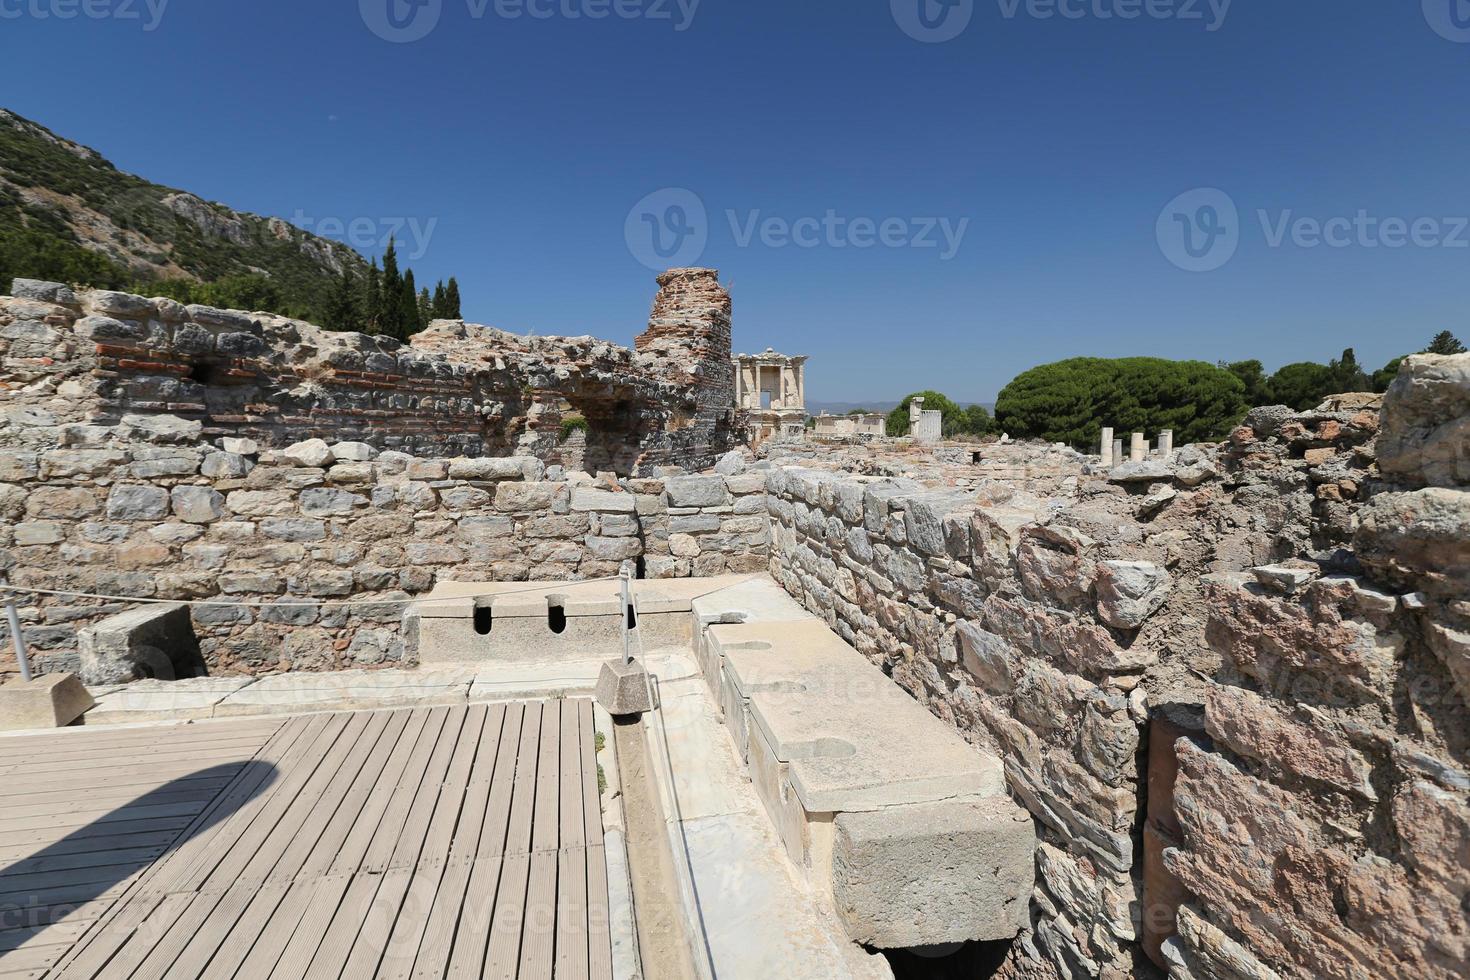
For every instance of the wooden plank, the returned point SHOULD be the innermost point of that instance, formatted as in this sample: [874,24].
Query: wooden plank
[571,914]
[265,950]
[599,916]
[262,846]
[105,800]
[503,959]
[467,960]
[58,934]
[343,811]
[72,845]
[242,934]
[103,815]
[599,926]
[430,856]
[342,932]
[434,848]
[135,944]
[538,926]
[297,955]
[545,826]
[49,862]
[114,927]
[416,822]
[381,790]
[277,814]
[502,786]
[377,926]
[189,945]
[503,956]
[67,791]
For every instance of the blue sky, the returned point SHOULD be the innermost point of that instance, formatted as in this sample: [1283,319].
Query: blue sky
[519,146]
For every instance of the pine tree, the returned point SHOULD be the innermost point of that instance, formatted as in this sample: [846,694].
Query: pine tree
[439,305]
[1445,342]
[451,301]
[372,300]
[342,312]
[426,308]
[396,313]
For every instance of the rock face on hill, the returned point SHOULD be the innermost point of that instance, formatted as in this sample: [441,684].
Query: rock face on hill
[63,206]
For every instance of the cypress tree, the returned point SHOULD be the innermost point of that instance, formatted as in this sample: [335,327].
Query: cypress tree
[409,298]
[439,305]
[396,313]
[451,301]
[426,308]
[372,300]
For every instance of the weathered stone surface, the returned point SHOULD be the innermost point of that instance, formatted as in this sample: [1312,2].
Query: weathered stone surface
[933,873]
[51,701]
[197,505]
[1425,439]
[1310,749]
[310,452]
[1418,540]
[1129,592]
[590,499]
[697,491]
[152,641]
[623,689]
[131,502]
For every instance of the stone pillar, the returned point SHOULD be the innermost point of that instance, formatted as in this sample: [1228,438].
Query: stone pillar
[916,413]
[1166,443]
[1117,452]
[1106,450]
[1139,451]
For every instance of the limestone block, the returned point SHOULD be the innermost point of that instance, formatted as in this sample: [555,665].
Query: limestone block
[137,503]
[44,292]
[731,464]
[592,499]
[156,640]
[326,501]
[52,701]
[226,465]
[934,873]
[622,689]
[354,452]
[697,491]
[1419,541]
[239,447]
[505,468]
[151,463]
[161,429]
[311,452]
[197,505]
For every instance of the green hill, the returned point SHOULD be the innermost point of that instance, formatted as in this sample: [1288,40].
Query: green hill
[66,214]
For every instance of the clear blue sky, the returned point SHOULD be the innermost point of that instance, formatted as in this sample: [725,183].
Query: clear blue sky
[1059,140]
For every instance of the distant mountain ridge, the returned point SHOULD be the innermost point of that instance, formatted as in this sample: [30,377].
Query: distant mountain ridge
[66,213]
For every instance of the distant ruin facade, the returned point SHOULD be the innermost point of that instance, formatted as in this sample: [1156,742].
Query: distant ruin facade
[864,425]
[770,394]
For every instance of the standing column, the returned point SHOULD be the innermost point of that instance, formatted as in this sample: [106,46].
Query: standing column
[1166,443]
[1117,452]
[1139,451]
[1106,450]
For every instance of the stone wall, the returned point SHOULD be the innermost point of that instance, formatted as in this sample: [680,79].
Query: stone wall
[1274,599]
[144,509]
[456,389]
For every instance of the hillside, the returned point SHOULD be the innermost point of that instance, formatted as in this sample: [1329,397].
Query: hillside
[67,214]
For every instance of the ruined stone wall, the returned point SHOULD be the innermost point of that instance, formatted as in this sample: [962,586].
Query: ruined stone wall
[455,389]
[1248,595]
[144,509]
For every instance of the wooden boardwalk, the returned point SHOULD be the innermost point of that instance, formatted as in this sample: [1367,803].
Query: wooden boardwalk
[433,842]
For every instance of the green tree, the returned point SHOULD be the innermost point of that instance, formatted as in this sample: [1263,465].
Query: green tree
[1445,342]
[451,301]
[956,421]
[426,308]
[1071,401]
[439,305]
[1384,376]
[410,303]
[341,312]
[1252,374]
[1346,374]
[394,318]
[372,300]
[1302,385]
